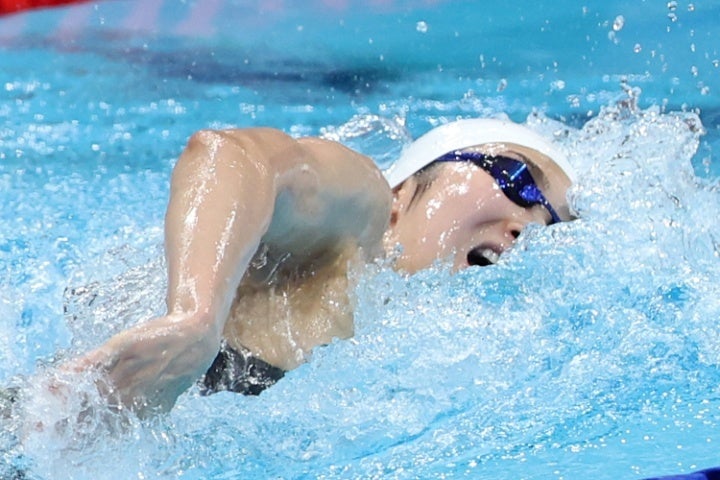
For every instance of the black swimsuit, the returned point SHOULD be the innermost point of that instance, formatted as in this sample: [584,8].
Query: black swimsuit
[240,372]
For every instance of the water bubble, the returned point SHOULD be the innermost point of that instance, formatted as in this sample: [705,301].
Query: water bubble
[691,7]
[637,48]
[421,27]
[619,23]
[672,5]
[672,17]
[502,84]
[694,71]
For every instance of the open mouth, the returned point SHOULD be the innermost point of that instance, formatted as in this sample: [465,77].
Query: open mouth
[482,256]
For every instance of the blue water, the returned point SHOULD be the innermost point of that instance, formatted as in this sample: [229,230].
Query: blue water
[590,350]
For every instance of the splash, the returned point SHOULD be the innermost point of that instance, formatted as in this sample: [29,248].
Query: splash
[591,339]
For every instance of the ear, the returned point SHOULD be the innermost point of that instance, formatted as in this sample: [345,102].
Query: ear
[400,200]
[394,209]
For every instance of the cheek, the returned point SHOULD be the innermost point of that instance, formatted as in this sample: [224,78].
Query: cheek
[442,223]
[427,235]
[450,238]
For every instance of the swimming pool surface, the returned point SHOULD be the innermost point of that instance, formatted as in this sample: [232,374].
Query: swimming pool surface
[591,350]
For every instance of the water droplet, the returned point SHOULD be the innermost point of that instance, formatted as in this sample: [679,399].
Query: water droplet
[672,17]
[619,23]
[557,85]
[672,5]
[691,7]
[637,48]
[705,90]
[694,71]
[421,27]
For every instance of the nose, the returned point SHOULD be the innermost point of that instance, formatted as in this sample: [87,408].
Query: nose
[512,229]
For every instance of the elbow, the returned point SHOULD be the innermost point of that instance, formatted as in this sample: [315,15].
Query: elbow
[222,155]
[200,152]
[232,147]
[206,140]
[244,138]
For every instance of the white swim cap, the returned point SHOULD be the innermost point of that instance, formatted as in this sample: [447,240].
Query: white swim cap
[468,133]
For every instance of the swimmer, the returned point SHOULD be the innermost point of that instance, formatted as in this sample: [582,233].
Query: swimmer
[262,231]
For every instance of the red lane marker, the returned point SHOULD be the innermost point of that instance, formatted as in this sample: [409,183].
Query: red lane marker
[14,6]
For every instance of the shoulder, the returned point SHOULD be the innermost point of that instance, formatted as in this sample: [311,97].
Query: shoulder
[325,158]
[325,192]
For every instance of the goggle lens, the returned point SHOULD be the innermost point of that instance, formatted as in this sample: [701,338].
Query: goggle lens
[511,175]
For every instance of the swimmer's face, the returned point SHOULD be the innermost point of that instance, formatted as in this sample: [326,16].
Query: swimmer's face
[463,215]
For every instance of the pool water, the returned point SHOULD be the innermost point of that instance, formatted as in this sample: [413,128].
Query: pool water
[590,350]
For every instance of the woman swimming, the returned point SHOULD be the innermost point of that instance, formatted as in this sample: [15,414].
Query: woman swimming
[262,230]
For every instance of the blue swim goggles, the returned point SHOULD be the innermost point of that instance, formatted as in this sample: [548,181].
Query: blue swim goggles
[512,176]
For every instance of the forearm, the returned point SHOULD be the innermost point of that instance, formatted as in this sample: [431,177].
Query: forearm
[147,367]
